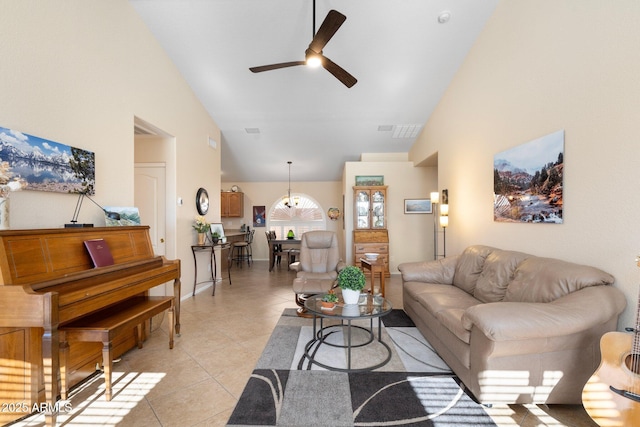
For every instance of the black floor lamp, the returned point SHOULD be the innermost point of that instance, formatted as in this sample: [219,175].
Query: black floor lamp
[444,223]
[440,209]
[435,198]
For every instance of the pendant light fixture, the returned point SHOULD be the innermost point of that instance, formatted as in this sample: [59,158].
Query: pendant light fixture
[286,200]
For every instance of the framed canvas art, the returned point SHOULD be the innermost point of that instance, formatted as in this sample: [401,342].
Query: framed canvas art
[46,165]
[369,180]
[417,206]
[528,181]
[259,218]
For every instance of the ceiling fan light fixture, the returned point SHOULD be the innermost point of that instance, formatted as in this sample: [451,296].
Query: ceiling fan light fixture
[314,62]
[313,59]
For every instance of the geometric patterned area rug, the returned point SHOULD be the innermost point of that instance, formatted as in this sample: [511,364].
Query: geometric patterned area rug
[415,388]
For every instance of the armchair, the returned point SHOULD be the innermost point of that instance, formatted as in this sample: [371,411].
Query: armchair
[317,270]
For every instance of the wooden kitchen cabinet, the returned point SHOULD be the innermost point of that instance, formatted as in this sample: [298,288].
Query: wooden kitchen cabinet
[231,204]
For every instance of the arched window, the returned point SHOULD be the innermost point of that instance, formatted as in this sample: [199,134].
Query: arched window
[307,215]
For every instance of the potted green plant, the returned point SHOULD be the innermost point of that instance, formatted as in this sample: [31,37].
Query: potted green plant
[351,280]
[329,300]
[215,236]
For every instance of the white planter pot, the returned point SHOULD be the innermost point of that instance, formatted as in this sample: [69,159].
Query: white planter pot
[350,296]
[351,310]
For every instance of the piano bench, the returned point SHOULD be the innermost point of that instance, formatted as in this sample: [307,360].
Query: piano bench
[103,326]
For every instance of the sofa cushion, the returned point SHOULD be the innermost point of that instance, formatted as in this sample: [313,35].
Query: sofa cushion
[444,302]
[545,279]
[440,271]
[469,267]
[451,319]
[497,273]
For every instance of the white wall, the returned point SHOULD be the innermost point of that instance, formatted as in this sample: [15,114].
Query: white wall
[540,66]
[78,72]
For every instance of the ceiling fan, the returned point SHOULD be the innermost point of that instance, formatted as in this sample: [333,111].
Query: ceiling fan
[313,55]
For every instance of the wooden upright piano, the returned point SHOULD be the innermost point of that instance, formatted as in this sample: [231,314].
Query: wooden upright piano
[47,279]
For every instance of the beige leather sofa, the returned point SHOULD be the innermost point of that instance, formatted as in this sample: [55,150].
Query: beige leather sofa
[515,328]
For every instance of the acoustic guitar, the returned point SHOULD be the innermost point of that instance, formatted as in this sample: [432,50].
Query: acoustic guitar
[611,397]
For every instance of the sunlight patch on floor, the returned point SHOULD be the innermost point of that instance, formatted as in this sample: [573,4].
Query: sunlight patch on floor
[89,406]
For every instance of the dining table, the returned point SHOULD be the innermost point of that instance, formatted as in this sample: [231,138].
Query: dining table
[286,244]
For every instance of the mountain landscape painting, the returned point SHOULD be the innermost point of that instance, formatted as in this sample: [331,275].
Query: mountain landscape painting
[527,181]
[43,165]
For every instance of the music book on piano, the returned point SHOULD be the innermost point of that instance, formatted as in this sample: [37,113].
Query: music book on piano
[99,252]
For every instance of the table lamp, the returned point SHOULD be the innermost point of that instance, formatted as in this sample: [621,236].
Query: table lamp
[76,212]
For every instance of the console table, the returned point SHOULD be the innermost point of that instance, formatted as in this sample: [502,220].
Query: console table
[211,250]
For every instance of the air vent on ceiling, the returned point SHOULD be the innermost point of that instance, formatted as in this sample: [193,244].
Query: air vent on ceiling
[252,130]
[406,131]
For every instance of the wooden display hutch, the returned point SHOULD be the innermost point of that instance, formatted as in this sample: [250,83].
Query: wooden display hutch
[231,204]
[370,224]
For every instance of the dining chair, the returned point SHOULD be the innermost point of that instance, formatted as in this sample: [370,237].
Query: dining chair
[278,252]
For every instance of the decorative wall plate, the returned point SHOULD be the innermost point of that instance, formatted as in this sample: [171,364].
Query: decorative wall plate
[334,213]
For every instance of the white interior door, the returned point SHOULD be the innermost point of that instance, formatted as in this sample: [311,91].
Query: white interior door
[150,198]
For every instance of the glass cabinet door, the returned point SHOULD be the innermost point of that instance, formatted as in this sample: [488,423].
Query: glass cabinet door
[378,219]
[363,206]
[370,209]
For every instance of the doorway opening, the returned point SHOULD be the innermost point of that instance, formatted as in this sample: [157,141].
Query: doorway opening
[154,181]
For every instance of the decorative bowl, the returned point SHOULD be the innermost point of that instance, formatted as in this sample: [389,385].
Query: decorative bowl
[371,256]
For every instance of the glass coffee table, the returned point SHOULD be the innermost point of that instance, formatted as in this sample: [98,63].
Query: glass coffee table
[369,308]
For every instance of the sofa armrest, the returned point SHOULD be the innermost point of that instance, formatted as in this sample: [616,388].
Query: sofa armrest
[438,271]
[573,313]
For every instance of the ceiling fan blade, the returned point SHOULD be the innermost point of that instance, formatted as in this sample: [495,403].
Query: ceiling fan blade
[329,26]
[275,66]
[339,73]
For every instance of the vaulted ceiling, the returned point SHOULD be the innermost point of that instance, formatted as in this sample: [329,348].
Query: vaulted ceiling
[403,53]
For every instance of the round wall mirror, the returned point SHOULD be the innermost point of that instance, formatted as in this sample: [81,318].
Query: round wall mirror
[202,201]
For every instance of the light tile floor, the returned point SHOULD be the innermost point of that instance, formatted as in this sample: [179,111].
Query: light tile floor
[222,336]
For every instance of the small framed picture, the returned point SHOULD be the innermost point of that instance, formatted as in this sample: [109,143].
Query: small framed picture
[417,206]
[259,218]
[217,227]
[369,180]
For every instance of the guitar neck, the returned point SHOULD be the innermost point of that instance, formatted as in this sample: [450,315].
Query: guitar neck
[635,349]
[636,332]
